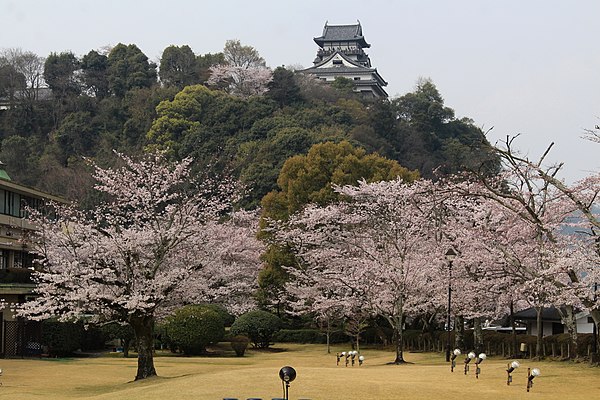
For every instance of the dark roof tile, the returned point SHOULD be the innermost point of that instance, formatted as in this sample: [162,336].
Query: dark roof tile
[342,33]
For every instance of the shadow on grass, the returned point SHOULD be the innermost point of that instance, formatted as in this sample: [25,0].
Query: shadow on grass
[401,363]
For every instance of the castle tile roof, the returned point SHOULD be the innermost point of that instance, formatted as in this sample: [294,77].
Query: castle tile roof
[342,33]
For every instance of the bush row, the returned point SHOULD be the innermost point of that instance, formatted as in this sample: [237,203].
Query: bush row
[61,339]
[314,336]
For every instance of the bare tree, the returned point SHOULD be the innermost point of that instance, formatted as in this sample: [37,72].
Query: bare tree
[30,65]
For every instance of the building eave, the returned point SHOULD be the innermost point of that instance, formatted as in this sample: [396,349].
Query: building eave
[28,191]
[342,55]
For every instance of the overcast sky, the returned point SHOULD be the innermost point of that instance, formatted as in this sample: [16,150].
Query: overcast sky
[520,66]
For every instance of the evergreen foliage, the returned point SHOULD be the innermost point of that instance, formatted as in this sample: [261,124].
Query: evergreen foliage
[112,99]
[61,338]
[194,327]
[258,325]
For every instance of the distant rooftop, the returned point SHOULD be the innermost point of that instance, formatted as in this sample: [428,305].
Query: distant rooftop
[342,33]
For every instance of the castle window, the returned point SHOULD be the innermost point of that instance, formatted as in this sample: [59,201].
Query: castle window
[337,62]
[357,78]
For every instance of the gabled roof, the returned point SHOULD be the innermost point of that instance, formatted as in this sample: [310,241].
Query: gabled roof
[342,33]
[348,67]
[348,63]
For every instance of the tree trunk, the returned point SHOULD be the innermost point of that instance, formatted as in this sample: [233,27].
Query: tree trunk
[595,313]
[399,328]
[459,332]
[515,349]
[126,343]
[397,324]
[143,326]
[327,323]
[477,335]
[567,315]
[398,342]
[540,331]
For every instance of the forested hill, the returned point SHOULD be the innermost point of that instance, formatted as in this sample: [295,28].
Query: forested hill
[58,110]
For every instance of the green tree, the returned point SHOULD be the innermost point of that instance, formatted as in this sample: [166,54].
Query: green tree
[258,325]
[203,64]
[59,74]
[283,88]
[196,122]
[76,135]
[20,156]
[424,108]
[428,137]
[122,332]
[178,67]
[94,67]
[308,179]
[11,81]
[129,68]
[139,106]
[194,327]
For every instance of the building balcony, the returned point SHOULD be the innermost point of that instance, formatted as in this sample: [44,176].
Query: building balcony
[327,52]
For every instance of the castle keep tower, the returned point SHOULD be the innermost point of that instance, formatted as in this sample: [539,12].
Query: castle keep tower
[341,54]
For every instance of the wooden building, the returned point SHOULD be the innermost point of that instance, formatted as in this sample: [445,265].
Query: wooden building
[341,54]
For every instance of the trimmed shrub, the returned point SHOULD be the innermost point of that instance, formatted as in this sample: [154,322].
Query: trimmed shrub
[222,311]
[258,325]
[300,336]
[61,338]
[239,344]
[194,327]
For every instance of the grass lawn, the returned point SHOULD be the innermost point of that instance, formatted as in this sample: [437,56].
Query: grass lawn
[426,376]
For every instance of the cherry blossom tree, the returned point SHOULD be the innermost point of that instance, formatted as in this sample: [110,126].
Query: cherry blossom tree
[329,297]
[464,225]
[532,192]
[376,247]
[244,72]
[241,81]
[157,241]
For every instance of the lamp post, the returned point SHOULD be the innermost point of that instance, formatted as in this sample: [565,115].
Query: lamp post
[479,360]
[531,374]
[455,354]
[468,359]
[287,374]
[511,367]
[450,255]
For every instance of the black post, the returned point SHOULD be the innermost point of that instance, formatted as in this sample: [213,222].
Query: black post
[594,330]
[449,308]
[595,338]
